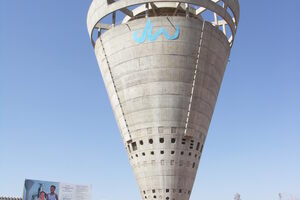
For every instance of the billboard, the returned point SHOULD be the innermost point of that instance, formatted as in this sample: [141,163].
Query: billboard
[47,190]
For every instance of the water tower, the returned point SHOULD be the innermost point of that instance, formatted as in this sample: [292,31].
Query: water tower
[162,62]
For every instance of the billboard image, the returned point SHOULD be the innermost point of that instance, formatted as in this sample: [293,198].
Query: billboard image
[47,190]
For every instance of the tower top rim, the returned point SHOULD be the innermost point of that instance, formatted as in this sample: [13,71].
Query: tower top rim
[226,13]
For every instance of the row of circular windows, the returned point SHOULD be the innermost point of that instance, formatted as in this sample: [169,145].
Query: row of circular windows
[180,191]
[133,146]
[164,162]
[163,152]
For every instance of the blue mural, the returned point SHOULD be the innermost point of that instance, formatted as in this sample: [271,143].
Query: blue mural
[147,32]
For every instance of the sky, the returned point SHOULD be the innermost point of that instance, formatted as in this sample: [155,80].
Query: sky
[56,122]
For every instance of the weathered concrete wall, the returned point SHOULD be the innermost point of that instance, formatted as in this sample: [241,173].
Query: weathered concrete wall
[150,87]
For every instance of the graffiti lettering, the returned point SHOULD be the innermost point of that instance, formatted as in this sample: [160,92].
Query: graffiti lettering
[147,32]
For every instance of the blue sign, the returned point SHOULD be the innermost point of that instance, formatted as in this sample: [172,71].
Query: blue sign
[147,32]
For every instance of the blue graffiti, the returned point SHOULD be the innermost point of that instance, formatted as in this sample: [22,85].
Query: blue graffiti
[148,32]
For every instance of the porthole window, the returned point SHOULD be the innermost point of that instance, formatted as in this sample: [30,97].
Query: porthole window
[153,191]
[151,141]
[154,196]
[173,140]
[167,190]
[136,155]
[162,152]
[161,140]
[143,154]
[180,190]
[167,198]
[190,153]
[182,153]
[141,142]
[152,152]
[144,192]
[172,152]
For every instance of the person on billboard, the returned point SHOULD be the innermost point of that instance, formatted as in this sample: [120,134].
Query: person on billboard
[42,195]
[52,195]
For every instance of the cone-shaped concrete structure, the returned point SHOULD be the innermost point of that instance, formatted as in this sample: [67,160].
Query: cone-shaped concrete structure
[163,65]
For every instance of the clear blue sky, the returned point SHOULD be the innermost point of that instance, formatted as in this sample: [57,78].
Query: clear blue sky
[56,122]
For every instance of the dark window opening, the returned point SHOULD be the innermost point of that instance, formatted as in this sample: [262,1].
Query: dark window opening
[192,144]
[141,142]
[201,148]
[198,146]
[134,146]
[161,140]
[151,141]
[173,140]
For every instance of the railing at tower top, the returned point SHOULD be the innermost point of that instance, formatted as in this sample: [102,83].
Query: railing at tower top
[105,14]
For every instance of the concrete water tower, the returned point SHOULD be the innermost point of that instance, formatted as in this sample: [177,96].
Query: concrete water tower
[162,62]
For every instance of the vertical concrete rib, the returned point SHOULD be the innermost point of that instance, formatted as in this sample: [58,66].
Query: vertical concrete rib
[126,134]
[194,81]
